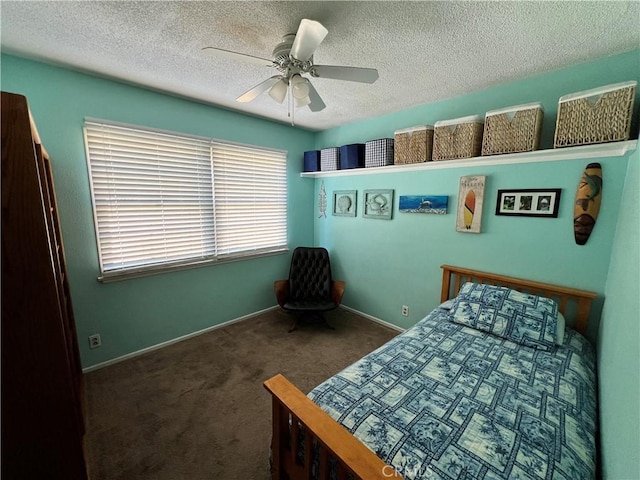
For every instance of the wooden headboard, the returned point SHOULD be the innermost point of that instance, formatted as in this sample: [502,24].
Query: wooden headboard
[577,301]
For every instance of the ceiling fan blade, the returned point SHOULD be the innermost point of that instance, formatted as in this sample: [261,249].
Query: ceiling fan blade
[258,89]
[316,102]
[239,56]
[309,36]
[351,74]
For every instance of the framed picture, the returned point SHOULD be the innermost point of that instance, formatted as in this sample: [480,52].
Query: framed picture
[344,203]
[429,204]
[470,200]
[377,204]
[534,202]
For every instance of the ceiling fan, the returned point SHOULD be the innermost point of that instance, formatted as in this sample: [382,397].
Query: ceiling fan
[293,58]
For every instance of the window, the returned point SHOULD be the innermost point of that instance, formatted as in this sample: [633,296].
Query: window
[163,200]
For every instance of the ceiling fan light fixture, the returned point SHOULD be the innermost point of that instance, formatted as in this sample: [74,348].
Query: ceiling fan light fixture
[303,102]
[299,88]
[279,90]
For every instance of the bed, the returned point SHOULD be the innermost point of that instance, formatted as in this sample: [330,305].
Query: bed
[489,385]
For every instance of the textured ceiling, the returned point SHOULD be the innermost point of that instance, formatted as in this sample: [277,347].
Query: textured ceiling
[424,51]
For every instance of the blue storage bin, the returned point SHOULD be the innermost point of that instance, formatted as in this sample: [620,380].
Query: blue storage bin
[312,161]
[352,156]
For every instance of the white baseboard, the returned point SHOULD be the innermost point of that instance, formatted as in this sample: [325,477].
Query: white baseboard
[174,340]
[158,346]
[374,319]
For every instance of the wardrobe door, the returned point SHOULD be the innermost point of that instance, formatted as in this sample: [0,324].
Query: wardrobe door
[42,422]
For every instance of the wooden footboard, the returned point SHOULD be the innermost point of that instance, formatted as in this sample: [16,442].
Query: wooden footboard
[292,411]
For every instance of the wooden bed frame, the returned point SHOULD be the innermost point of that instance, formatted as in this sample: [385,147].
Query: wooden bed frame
[292,409]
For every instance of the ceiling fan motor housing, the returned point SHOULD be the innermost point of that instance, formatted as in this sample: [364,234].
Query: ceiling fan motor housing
[284,62]
[281,51]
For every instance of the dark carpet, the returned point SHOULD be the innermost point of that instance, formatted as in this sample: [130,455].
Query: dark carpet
[197,409]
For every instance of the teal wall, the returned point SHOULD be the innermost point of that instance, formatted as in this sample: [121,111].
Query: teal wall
[134,314]
[387,264]
[619,341]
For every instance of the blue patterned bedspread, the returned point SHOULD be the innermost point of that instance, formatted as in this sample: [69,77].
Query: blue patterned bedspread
[444,401]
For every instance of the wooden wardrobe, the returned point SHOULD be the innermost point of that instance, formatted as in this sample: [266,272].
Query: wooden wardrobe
[42,412]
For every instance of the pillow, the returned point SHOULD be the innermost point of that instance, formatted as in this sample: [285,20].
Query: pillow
[520,317]
[446,305]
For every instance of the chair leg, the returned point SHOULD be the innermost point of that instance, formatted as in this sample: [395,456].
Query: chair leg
[323,319]
[293,325]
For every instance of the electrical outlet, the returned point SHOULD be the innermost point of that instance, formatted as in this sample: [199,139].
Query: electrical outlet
[94,341]
[405,311]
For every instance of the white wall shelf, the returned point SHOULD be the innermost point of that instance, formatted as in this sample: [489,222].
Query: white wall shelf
[601,150]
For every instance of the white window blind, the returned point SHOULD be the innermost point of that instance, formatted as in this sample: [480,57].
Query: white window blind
[250,198]
[154,202]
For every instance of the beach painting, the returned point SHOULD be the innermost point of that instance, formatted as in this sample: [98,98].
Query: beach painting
[430,204]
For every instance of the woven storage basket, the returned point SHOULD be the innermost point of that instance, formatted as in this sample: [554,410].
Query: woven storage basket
[512,129]
[329,159]
[378,153]
[413,145]
[595,116]
[457,138]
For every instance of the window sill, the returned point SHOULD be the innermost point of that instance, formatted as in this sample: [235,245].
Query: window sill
[160,269]
[600,150]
